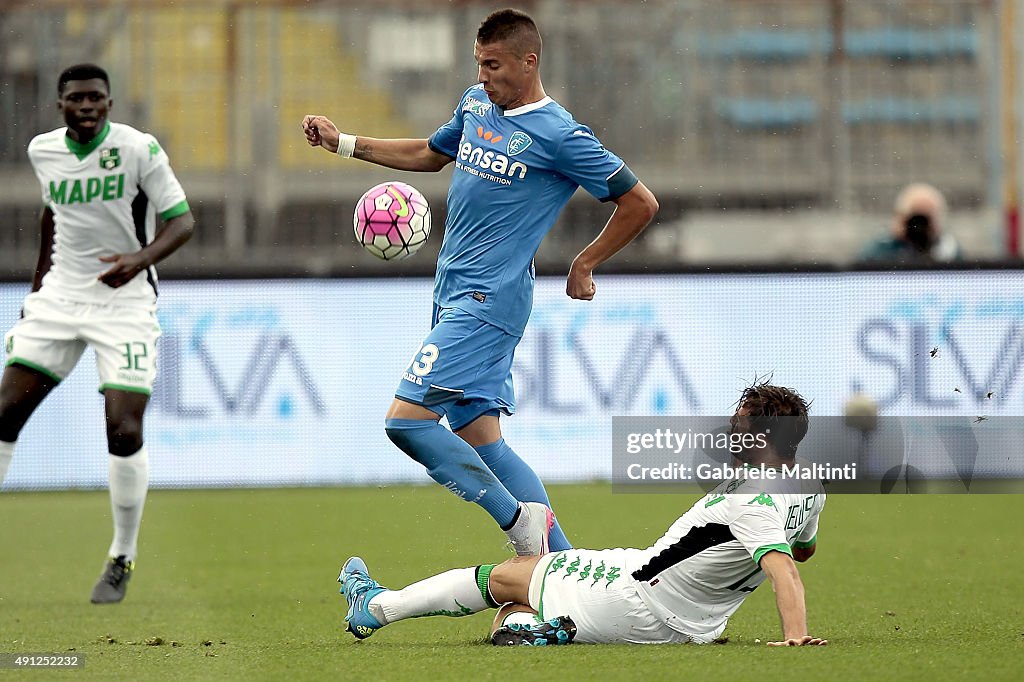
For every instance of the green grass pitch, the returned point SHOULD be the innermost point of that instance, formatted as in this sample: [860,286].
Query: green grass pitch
[241,584]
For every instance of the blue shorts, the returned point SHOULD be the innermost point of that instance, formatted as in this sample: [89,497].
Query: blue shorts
[463,369]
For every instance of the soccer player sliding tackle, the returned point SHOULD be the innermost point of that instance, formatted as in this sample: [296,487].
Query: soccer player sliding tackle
[683,588]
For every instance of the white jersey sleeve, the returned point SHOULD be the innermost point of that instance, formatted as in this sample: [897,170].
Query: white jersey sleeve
[809,535]
[158,181]
[756,522]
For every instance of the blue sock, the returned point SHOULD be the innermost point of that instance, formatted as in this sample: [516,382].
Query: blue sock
[454,464]
[521,481]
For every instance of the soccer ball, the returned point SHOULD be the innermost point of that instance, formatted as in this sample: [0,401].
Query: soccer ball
[392,220]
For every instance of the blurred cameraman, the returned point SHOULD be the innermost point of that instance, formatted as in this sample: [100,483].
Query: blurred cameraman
[917,234]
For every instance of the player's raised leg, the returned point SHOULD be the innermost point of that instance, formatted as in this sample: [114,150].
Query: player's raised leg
[41,350]
[22,389]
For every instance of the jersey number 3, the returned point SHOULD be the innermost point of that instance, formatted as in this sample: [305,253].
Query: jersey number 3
[424,362]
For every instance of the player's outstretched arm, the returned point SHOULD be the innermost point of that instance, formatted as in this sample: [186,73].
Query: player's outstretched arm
[400,154]
[45,247]
[168,239]
[633,211]
[789,597]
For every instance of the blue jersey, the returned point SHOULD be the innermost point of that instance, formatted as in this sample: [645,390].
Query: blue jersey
[515,170]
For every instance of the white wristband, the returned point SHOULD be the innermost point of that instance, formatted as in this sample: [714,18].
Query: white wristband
[346,145]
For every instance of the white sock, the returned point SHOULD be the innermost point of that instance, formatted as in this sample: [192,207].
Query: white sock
[520,530]
[129,480]
[521,617]
[6,452]
[452,593]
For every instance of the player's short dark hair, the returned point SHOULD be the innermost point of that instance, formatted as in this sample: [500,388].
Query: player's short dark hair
[81,72]
[511,26]
[777,412]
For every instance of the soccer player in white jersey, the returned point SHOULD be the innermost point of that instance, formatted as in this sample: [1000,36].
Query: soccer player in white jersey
[683,588]
[105,188]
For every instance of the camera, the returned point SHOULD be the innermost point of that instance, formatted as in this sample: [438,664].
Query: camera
[919,232]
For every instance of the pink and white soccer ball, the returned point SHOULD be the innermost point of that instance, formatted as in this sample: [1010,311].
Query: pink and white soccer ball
[392,220]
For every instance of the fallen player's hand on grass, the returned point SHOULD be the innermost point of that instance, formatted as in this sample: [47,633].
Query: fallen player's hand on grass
[806,640]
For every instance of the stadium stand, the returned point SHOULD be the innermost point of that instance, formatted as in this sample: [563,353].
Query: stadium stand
[716,110]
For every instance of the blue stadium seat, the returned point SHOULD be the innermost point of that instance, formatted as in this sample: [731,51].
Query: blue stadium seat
[760,114]
[889,42]
[904,110]
[913,44]
[766,45]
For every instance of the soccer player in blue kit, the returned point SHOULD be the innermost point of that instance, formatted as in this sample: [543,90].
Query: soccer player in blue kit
[519,157]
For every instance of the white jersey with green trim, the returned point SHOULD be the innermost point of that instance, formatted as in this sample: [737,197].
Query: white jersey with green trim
[105,197]
[707,563]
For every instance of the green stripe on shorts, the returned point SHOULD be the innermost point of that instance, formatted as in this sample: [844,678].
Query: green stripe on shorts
[129,389]
[32,365]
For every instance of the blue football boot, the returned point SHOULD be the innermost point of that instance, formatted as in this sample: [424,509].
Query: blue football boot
[359,588]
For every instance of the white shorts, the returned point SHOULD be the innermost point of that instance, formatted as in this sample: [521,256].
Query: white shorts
[597,590]
[52,335]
